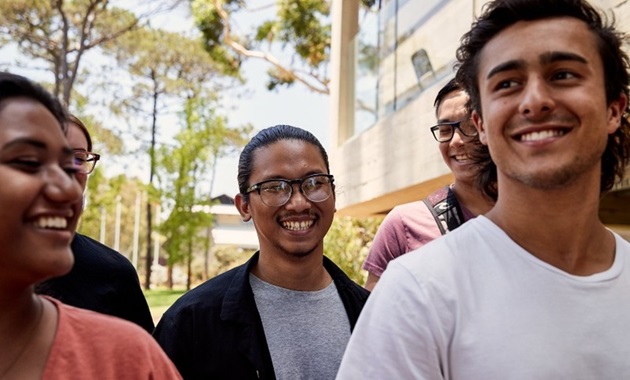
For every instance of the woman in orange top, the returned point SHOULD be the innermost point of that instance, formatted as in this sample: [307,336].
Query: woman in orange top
[40,199]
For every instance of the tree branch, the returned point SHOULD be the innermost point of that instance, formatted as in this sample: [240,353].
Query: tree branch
[321,85]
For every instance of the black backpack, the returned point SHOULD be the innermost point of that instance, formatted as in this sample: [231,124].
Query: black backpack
[445,209]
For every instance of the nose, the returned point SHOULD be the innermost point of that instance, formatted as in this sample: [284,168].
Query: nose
[537,99]
[298,201]
[61,187]
[458,138]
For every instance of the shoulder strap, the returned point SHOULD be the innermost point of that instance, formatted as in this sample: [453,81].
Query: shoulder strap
[445,209]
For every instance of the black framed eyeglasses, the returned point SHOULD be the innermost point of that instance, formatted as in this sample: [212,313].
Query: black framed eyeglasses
[444,132]
[85,161]
[277,192]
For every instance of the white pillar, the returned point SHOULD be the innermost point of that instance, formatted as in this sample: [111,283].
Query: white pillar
[345,25]
[136,231]
[103,224]
[156,237]
[117,224]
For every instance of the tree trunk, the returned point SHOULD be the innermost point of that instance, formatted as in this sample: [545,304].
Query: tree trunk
[169,276]
[149,259]
[147,280]
[190,256]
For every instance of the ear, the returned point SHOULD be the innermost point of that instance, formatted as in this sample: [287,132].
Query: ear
[616,109]
[476,118]
[243,207]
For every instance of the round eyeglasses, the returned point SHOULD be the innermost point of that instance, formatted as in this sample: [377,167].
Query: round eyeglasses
[85,161]
[277,192]
[444,132]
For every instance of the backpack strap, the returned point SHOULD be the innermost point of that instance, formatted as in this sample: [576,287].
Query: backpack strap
[445,209]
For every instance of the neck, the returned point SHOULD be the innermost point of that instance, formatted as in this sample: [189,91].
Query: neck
[559,226]
[18,329]
[296,273]
[471,198]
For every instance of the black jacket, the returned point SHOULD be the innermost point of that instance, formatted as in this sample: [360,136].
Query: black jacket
[214,331]
[101,280]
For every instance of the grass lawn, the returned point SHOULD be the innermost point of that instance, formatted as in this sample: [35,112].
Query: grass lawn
[161,299]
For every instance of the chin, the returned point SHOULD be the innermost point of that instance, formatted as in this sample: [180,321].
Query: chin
[62,265]
[300,251]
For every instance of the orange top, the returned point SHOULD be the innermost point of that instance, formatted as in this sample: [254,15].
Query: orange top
[90,345]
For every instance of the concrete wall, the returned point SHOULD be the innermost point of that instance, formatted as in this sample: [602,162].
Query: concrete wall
[397,160]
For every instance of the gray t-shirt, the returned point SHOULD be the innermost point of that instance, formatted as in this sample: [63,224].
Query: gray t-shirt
[307,331]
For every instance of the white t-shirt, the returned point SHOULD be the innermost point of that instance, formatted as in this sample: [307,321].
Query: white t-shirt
[475,305]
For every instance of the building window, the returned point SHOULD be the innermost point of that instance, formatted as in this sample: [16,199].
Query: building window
[393,62]
[422,66]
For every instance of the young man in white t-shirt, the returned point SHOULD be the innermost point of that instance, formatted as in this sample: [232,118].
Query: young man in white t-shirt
[537,288]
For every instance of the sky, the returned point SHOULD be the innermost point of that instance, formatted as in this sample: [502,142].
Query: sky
[261,108]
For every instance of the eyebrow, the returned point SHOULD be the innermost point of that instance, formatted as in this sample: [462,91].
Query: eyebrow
[25,141]
[545,59]
[506,66]
[66,150]
[282,178]
[556,56]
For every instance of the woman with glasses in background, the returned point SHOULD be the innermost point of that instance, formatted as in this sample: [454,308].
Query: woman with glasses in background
[101,279]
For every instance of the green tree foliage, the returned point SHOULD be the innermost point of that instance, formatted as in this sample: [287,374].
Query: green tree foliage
[228,257]
[182,170]
[183,165]
[59,33]
[56,35]
[104,141]
[348,242]
[101,199]
[300,27]
[166,67]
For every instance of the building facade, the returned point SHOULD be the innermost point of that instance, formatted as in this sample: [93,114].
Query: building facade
[387,65]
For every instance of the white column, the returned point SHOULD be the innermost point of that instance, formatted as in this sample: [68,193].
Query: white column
[117,224]
[103,224]
[156,237]
[345,25]
[136,231]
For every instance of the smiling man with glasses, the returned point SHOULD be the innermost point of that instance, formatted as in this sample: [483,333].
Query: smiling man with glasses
[445,131]
[412,225]
[288,312]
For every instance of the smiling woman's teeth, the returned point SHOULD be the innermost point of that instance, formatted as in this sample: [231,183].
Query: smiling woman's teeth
[297,226]
[535,136]
[51,222]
